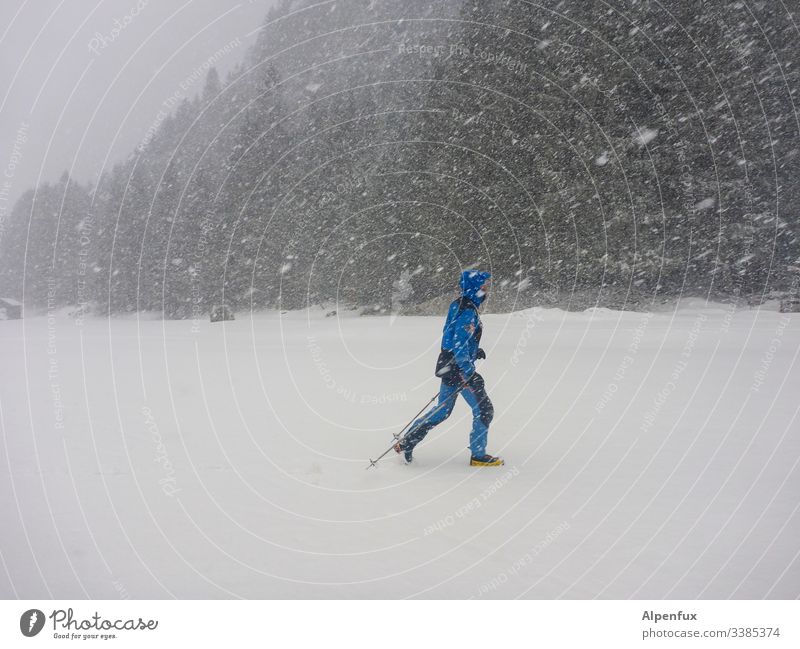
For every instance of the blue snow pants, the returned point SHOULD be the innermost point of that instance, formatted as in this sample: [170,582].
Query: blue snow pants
[474,394]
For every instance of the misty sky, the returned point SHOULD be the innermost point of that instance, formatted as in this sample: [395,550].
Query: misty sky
[82,81]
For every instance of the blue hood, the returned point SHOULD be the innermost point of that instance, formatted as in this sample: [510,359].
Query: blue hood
[471,282]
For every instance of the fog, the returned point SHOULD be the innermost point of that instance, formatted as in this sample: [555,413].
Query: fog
[82,82]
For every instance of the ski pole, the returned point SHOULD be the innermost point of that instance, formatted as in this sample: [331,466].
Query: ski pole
[425,407]
[397,436]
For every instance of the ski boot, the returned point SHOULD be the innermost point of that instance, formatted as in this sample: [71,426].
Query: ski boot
[486,460]
[399,448]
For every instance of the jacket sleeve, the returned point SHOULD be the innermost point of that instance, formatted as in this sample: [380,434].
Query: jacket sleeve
[464,328]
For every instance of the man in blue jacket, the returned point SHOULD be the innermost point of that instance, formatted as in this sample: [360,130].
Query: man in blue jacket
[456,367]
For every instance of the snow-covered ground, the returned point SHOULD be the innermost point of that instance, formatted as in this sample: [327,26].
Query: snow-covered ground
[647,456]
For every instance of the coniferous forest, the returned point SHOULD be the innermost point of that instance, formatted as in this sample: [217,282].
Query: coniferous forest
[614,153]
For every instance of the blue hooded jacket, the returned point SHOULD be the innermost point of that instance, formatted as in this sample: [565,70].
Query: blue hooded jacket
[462,329]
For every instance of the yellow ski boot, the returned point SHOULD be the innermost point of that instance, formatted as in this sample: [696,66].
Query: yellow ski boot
[486,460]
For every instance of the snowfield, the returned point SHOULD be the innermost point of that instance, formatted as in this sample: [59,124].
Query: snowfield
[647,456]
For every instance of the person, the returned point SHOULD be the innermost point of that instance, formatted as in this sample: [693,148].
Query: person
[456,367]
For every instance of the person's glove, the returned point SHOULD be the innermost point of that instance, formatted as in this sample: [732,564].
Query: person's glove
[480,354]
